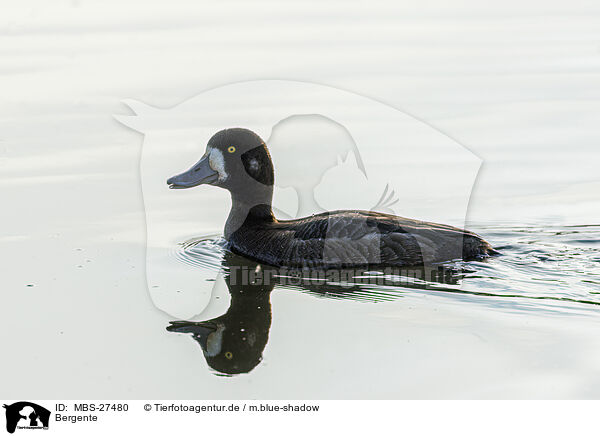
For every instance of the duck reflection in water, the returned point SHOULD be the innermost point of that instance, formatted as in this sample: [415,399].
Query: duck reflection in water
[233,343]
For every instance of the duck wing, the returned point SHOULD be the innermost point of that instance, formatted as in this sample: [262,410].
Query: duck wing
[344,239]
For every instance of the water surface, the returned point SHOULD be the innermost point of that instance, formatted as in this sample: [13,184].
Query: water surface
[550,270]
[516,83]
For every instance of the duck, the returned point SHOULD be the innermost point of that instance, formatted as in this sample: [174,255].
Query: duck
[237,159]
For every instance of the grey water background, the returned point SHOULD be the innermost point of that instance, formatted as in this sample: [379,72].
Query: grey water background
[516,83]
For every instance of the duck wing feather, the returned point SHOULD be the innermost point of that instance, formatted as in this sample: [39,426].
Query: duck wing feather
[343,239]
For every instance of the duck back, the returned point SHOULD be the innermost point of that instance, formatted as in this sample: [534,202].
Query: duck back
[347,239]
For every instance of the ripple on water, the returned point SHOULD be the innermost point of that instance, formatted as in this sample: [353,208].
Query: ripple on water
[204,252]
[541,262]
[559,263]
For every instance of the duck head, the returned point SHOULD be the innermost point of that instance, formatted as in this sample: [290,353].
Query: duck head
[235,159]
[231,344]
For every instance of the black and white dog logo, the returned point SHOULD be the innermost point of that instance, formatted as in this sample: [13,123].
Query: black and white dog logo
[26,415]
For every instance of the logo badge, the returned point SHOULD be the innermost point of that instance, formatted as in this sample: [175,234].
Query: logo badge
[26,415]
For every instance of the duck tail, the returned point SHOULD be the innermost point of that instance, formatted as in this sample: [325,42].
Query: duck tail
[493,252]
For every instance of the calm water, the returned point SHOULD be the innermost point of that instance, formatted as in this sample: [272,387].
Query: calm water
[539,270]
[517,84]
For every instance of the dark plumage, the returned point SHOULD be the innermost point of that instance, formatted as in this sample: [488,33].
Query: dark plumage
[233,343]
[238,160]
[343,239]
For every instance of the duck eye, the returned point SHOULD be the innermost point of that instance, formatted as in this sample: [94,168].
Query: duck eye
[231,149]
[229,355]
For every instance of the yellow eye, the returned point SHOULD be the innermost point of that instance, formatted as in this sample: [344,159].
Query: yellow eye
[228,354]
[231,149]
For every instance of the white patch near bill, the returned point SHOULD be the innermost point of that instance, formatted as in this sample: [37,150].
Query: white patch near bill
[214,342]
[217,163]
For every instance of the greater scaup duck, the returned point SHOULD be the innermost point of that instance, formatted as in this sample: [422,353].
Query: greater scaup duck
[238,160]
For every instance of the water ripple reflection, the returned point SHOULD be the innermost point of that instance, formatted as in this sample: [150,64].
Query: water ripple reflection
[542,270]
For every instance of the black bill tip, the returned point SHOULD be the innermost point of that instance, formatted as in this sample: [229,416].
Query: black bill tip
[200,174]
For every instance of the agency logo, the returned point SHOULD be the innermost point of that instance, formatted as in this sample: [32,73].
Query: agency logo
[328,150]
[26,415]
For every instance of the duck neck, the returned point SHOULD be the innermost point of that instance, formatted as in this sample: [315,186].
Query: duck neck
[246,209]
